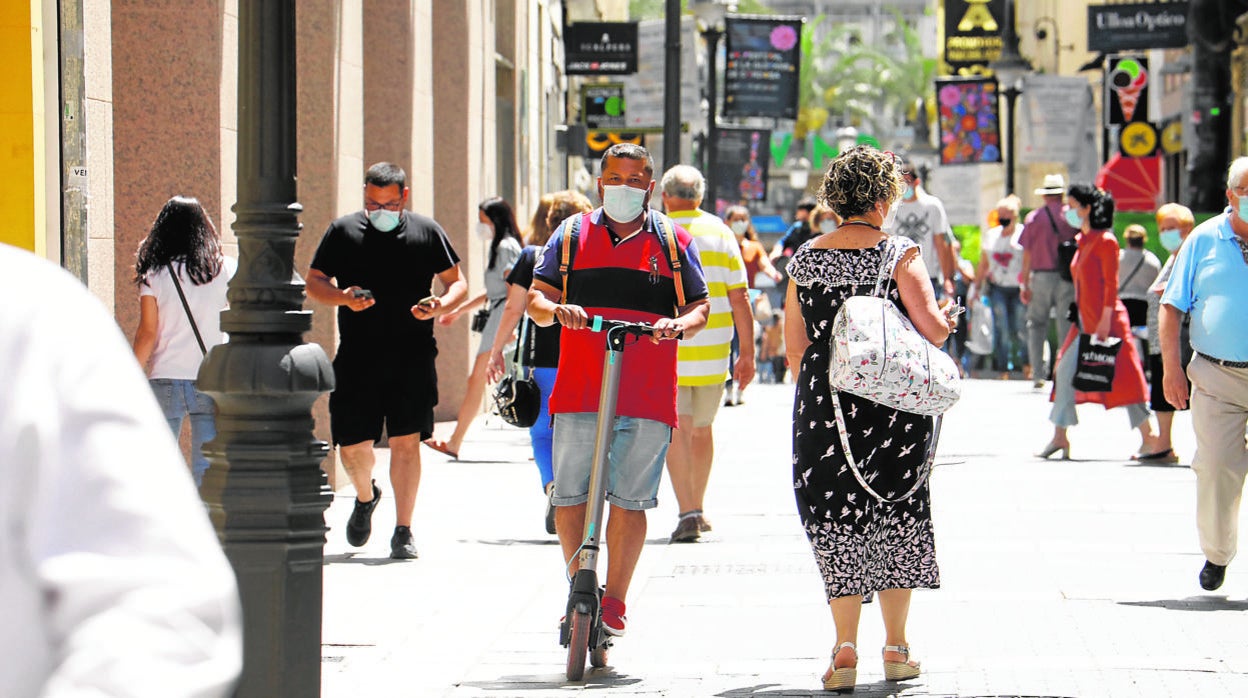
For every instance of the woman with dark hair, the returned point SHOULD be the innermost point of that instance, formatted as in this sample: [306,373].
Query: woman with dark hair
[863,544]
[497,225]
[1100,313]
[181,257]
[752,251]
[544,343]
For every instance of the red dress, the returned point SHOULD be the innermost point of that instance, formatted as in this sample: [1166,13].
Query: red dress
[751,253]
[1095,271]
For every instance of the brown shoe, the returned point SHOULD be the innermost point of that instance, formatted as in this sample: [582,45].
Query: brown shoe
[686,531]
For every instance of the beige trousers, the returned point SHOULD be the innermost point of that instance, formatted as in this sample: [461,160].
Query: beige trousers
[1219,417]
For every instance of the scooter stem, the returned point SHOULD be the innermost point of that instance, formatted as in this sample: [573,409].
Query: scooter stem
[611,368]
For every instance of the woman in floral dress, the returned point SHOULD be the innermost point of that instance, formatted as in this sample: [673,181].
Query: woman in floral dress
[862,545]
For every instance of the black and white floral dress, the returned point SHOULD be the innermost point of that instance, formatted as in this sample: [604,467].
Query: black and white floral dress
[860,544]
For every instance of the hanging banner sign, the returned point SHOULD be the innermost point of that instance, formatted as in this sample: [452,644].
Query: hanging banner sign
[1126,89]
[600,48]
[741,164]
[970,131]
[1137,26]
[763,67]
[972,36]
[602,107]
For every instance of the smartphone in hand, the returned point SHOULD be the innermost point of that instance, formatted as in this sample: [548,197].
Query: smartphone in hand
[427,301]
[363,293]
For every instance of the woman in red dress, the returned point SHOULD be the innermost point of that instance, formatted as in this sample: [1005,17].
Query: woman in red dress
[753,254]
[1101,314]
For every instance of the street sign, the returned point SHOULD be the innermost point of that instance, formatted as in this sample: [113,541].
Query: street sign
[972,35]
[763,68]
[1172,137]
[1138,139]
[741,164]
[1137,26]
[600,48]
[1126,89]
[602,107]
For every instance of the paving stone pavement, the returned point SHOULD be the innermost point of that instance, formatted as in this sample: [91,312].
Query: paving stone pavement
[1073,578]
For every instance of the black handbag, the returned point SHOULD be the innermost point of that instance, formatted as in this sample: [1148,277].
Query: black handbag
[1066,250]
[1095,370]
[517,399]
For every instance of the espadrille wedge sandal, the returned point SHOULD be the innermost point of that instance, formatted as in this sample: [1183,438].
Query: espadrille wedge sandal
[842,680]
[900,671]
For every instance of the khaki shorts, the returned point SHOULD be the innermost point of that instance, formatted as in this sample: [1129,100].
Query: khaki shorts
[699,401]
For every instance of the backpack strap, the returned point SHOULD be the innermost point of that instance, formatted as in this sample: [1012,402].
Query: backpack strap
[570,235]
[667,238]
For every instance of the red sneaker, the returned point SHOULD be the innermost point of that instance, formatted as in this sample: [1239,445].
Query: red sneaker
[613,620]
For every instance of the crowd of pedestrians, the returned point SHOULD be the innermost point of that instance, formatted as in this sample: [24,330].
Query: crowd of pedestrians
[721,308]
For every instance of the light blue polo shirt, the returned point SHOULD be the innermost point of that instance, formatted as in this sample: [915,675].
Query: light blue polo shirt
[1210,280]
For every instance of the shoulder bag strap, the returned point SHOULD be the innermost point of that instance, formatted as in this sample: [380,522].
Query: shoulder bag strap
[186,306]
[920,477]
[570,234]
[1131,275]
[888,261]
[1052,223]
[667,237]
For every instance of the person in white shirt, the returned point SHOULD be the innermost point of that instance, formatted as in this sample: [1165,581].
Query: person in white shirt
[999,273]
[111,579]
[921,217]
[179,322]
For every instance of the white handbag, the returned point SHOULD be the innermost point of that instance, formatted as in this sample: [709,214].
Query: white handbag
[877,353]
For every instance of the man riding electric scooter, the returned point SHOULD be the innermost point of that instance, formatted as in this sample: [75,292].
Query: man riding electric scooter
[629,270]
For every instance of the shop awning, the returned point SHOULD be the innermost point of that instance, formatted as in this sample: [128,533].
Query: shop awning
[1134,182]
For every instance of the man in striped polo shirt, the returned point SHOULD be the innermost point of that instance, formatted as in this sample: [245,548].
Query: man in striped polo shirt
[702,361]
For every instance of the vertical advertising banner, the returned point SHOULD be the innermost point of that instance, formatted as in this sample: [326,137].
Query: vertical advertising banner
[1126,89]
[972,35]
[970,131]
[741,164]
[764,60]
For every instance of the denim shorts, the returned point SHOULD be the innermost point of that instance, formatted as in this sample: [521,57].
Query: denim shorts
[638,449]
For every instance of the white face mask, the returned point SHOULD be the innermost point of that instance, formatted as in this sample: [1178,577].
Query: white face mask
[622,203]
[384,220]
[827,225]
[485,231]
[739,227]
[890,218]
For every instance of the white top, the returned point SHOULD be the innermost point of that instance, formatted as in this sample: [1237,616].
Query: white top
[112,581]
[177,354]
[1005,256]
[923,220]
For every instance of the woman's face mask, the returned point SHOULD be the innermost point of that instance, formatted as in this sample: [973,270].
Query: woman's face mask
[1170,239]
[739,227]
[485,231]
[1073,218]
[827,225]
[890,218]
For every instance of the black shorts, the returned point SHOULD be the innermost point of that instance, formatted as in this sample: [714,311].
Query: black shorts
[372,392]
[1157,396]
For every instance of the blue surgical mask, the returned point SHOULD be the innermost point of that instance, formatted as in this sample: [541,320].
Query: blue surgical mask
[384,220]
[1170,239]
[1072,217]
[1242,210]
[827,225]
[908,193]
[622,203]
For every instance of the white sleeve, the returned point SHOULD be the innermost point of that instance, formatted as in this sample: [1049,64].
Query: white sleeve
[138,596]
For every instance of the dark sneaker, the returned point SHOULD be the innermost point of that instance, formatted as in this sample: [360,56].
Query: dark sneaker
[401,546]
[1211,576]
[687,531]
[613,621]
[704,524]
[550,509]
[360,525]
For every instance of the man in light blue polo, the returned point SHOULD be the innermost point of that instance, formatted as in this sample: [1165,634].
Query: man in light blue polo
[1210,283]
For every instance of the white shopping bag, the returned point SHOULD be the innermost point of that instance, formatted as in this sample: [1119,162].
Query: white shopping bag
[979,339]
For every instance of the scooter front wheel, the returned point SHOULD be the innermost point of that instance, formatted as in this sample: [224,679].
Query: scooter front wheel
[598,658]
[578,645]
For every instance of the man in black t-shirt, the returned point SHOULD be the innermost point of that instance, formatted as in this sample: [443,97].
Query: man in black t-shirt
[377,266]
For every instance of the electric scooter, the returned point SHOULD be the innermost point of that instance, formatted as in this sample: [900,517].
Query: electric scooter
[581,631]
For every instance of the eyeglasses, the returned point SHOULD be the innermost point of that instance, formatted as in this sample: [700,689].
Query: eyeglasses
[370,205]
[1240,191]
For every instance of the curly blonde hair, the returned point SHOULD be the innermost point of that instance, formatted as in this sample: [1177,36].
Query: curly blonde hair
[858,179]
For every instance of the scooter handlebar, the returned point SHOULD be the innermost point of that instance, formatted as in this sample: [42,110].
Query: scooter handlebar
[598,323]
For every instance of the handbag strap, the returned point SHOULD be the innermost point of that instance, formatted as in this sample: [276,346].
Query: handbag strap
[888,260]
[920,477]
[1052,223]
[1132,274]
[524,360]
[186,306]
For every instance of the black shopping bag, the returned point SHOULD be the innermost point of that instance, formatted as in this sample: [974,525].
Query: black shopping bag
[1095,370]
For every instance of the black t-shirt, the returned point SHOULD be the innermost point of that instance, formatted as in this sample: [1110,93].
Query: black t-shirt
[546,339]
[398,267]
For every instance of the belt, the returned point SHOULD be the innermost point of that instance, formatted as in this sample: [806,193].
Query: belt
[1224,362]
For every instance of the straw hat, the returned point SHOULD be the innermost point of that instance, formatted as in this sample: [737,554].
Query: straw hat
[1053,184]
